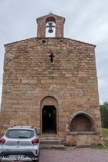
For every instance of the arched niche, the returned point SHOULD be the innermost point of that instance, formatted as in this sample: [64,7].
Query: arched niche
[81,122]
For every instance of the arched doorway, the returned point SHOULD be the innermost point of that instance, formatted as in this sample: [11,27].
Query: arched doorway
[49,119]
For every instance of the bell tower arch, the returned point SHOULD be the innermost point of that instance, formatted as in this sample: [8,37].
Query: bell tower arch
[50,21]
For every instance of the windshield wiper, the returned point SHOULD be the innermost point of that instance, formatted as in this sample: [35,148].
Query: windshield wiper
[22,137]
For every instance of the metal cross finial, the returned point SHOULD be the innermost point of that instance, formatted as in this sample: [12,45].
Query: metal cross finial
[51,57]
[50,13]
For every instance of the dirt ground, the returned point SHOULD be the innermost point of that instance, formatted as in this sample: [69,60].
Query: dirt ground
[72,154]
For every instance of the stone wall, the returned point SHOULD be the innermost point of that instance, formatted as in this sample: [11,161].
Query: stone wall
[42,21]
[83,139]
[29,76]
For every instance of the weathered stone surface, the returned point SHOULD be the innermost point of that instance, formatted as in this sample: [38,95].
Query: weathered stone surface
[59,21]
[82,140]
[69,83]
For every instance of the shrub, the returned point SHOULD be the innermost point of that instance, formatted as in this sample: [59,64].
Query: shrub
[104,115]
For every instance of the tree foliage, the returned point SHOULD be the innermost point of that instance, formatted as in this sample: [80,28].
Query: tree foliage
[104,114]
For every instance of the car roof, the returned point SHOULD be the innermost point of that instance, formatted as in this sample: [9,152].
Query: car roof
[22,127]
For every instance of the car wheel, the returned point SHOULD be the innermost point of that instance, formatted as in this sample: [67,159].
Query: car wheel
[36,160]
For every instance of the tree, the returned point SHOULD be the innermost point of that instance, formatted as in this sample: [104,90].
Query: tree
[104,114]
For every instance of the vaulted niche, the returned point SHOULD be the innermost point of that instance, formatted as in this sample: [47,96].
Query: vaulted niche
[50,27]
[82,123]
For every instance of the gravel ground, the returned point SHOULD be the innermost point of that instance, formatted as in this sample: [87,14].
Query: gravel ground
[74,155]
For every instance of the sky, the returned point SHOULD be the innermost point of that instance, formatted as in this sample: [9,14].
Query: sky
[86,20]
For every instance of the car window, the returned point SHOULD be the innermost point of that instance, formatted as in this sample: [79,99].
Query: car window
[19,133]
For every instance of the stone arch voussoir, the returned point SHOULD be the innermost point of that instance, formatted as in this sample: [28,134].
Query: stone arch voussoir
[49,100]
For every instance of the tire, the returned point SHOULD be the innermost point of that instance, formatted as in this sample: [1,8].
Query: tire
[36,160]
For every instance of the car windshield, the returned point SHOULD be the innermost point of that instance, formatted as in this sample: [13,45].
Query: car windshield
[19,133]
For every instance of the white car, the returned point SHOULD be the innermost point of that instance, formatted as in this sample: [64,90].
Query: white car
[20,143]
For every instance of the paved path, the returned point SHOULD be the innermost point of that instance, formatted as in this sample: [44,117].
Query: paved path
[74,155]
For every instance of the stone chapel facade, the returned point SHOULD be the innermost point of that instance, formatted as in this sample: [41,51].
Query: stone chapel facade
[51,83]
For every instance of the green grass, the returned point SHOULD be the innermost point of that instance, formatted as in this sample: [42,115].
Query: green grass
[106,142]
[100,146]
[105,132]
[105,145]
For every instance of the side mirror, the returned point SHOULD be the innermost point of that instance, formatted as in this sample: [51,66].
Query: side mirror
[38,133]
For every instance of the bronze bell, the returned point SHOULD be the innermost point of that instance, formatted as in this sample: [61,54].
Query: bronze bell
[50,27]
